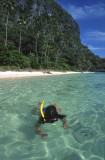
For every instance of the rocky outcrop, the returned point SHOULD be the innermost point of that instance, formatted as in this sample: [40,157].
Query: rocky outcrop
[39,7]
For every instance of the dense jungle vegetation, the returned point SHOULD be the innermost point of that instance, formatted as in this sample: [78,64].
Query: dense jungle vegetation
[41,35]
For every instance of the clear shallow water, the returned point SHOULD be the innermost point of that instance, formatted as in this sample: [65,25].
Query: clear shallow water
[81,97]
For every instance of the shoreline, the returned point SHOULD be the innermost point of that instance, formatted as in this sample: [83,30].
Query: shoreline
[17,74]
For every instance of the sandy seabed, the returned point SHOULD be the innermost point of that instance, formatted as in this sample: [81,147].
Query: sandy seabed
[16,74]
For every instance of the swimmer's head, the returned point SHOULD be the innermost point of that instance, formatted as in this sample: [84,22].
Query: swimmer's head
[51,114]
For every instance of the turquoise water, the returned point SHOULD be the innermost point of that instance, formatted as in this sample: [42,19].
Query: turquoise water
[82,99]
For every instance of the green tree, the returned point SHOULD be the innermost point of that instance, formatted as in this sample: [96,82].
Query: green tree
[8,5]
[19,60]
[21,21]
[5,56]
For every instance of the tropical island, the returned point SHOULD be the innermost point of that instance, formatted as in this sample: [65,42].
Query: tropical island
[40,35]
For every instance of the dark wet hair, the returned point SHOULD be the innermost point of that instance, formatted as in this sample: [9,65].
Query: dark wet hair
[51,114]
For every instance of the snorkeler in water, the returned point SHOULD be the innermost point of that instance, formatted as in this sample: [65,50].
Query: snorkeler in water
[50,115]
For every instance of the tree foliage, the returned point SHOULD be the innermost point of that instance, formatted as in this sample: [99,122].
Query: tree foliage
[13,58]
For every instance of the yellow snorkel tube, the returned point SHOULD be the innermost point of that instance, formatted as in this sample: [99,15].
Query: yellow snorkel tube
[41,110]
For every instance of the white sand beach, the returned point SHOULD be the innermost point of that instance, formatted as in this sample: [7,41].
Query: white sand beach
[16,74]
